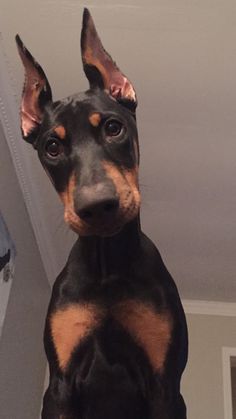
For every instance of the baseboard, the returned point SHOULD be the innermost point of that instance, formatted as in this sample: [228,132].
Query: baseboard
[210,308]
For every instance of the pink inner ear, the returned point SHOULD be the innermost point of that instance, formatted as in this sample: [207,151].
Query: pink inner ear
[94,54]
[122,88]
[27,123]
[36,91]
[31,114]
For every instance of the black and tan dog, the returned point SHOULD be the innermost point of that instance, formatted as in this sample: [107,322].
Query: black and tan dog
[115,335]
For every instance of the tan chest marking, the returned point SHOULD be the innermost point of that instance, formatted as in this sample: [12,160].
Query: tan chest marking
[69,326]
[151,330]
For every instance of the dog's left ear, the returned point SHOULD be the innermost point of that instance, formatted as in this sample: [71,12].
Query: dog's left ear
[99,67]
[36,94]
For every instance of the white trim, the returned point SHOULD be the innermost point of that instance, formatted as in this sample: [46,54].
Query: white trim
[9,117]
[210,308]
[45,386]
[5,288]
[227,353]
[46,380]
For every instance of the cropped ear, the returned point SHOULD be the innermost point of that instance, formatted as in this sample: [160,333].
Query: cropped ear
[99,67]
[36,94]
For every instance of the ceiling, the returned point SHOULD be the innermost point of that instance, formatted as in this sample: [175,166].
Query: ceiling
[181,57]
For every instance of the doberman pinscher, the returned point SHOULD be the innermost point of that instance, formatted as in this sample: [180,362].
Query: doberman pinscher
[115,334]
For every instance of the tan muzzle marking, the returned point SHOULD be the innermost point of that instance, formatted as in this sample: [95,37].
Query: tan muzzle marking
[126,184]
[69,214]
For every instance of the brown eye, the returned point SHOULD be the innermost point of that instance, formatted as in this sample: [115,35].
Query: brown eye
[53,148]
[113,128]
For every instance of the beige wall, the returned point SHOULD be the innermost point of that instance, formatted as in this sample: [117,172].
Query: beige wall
[22,360]
[202,383]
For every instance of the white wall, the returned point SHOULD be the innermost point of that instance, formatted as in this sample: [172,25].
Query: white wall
[202,384]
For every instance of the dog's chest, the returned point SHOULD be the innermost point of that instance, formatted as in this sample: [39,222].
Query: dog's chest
[149,329]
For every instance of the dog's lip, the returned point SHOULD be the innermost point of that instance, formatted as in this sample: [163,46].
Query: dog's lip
[106,229]
[100,227]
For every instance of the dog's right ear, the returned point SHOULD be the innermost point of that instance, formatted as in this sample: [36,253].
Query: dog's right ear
[36,94]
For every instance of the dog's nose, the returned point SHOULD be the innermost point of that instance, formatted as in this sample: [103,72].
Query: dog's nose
[97,203]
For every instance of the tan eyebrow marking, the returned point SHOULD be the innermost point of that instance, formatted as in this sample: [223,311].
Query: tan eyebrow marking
[95,119]
[60,131]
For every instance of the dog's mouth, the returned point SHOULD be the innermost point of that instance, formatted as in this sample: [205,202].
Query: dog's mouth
[107,231]
[103,227]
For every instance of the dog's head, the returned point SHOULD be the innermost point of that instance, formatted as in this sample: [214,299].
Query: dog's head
[88,142]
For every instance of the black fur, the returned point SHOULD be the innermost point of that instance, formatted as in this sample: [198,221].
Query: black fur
[109,374]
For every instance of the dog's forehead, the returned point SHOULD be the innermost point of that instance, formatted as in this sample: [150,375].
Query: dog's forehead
[80,105]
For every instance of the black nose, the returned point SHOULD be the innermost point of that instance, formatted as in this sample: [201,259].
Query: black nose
[96,203]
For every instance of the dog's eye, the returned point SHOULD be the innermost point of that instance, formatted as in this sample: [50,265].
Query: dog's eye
[53,148]
[113,128]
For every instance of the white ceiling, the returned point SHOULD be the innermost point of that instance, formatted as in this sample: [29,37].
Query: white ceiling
[181,57]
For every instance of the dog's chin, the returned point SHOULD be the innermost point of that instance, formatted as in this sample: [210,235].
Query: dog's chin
[111,232]
[104,231]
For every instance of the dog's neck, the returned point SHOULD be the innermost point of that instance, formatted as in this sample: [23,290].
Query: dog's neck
[111,255]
